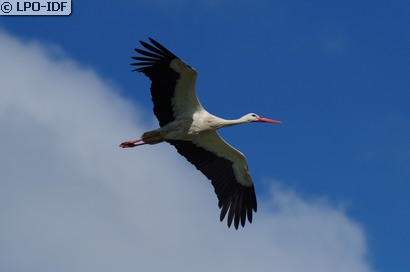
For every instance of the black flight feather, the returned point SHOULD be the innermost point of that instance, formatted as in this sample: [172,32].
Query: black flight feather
[155,64]
[234,199]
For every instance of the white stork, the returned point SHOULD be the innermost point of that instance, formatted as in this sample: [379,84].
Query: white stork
[185,124]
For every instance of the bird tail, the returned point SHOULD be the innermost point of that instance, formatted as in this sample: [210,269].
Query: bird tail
[152,137]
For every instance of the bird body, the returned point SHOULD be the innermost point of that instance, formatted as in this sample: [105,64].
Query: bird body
[185,124]
[189,128]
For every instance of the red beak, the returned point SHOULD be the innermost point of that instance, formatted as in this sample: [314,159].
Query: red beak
[267,120]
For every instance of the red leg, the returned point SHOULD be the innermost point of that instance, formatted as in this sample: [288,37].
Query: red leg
[131,143]
[150,137]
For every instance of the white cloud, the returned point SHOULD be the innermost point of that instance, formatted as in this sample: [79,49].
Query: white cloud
[71,200]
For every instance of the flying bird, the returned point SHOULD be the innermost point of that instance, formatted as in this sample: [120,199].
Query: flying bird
[186,125]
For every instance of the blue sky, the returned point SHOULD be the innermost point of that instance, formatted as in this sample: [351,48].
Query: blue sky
[335,72]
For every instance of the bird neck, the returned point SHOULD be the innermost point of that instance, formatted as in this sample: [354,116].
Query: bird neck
[227,123]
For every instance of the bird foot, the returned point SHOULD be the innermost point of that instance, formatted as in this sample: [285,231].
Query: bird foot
[132,143]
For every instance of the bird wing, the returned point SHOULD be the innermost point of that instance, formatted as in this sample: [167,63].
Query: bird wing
[172,82]
[227,169]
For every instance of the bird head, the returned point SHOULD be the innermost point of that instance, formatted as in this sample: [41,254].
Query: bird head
[253,117]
